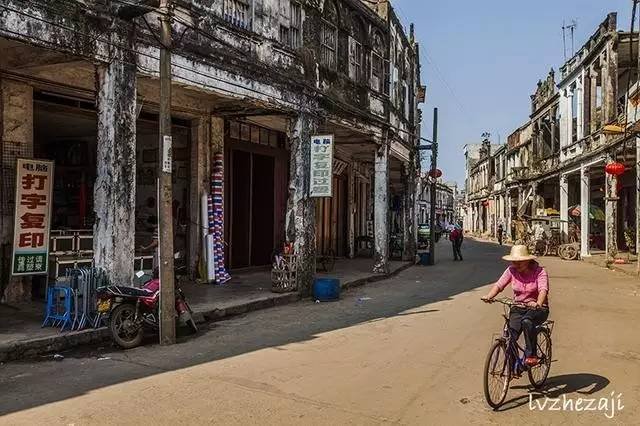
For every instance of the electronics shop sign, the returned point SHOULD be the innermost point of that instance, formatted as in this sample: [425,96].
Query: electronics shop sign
[34,187]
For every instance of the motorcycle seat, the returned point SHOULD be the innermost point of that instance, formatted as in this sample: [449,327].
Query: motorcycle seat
[130,291]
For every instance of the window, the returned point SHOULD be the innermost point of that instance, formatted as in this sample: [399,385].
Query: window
[238,13]
[379,74]
[329,37]
[291,24]
[355,49]
[329,45]
[285,35]
[355,59]
[295,26]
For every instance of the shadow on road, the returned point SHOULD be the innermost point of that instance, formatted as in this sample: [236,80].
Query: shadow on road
[26,385]
[556,386]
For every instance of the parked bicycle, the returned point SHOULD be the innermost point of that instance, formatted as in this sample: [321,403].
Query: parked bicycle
[505,360]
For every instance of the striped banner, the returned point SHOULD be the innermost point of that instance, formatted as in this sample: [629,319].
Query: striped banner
[216,217]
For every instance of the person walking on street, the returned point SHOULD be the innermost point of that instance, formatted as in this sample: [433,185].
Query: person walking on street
[456,237]
[500,234]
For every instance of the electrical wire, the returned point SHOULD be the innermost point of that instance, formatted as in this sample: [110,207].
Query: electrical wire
[303,106]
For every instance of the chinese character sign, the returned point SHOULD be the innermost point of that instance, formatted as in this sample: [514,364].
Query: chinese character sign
[321,166]
[34,184]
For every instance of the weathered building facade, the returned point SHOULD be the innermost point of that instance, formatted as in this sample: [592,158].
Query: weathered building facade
[253,81]
[581,122]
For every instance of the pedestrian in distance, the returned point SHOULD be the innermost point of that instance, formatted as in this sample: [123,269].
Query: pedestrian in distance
[456,237]
[500,234]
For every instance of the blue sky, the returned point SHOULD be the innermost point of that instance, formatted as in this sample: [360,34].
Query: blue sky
[482,60]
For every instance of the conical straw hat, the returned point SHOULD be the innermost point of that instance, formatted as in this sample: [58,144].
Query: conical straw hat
[518,254]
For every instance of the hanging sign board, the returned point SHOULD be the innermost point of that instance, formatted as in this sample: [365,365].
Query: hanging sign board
[167,160]
[321,166]
[34,187]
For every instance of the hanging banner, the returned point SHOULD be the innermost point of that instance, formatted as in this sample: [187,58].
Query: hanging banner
[34,187]
[321,175]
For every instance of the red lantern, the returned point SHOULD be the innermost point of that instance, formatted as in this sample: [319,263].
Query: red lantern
[435,173]
[485,203]
[615,169]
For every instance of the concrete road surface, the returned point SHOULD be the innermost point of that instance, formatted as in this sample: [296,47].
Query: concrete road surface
[407,351]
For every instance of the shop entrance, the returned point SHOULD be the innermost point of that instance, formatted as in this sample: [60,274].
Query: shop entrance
[331,220]
[255,193]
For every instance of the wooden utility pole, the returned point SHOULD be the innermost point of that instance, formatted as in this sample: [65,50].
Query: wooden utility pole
[165,190]
[434,188]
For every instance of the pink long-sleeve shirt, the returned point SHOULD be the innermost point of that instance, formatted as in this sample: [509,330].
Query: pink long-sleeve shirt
[526,287]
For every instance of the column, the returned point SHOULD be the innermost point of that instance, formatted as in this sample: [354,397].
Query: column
[611,213]
[610,86]
[16,140]
[564,207]
[301,213]
[199,184]
[351,211]
[593,98]
[115,185]
[508,212]
[409,228]
[381,209]
[585,189]
[534,199]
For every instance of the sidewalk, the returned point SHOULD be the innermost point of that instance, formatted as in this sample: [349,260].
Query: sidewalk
[21,335]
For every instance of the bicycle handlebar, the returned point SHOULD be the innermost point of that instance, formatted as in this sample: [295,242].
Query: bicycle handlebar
[509,302]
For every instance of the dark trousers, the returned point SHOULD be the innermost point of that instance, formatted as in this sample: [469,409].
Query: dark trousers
[500,237]
[521,319]
[457,254]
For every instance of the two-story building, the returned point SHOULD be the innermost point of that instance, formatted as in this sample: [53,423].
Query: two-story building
[252,81]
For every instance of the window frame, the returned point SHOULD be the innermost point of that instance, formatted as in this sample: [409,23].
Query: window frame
[329,53]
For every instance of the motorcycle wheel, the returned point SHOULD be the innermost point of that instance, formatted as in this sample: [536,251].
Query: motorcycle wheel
[121,327]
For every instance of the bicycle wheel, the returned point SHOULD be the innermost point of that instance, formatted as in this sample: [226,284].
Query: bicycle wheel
[496,374]
[538,374]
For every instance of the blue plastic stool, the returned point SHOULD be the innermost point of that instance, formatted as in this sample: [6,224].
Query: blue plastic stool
[59,309]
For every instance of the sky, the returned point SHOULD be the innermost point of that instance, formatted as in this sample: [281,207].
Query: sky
[481,62]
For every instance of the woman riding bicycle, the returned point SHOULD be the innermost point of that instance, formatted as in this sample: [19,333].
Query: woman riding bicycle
[530,284]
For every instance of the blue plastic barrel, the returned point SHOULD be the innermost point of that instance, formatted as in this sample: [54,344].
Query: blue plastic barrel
[326,289]
[424,258]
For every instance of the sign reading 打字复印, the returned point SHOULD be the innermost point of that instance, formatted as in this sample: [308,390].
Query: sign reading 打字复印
[34,187]
[321,166]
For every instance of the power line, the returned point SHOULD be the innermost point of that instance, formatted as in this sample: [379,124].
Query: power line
[344,108]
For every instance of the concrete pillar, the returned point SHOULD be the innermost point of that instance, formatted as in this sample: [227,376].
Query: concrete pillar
[16,133]
[534,199]
[115,185]
[381,209]
[611,213]
[580,103]
[610,85]
[301,212]
[199,184]
[410,232]
[564,207]
[585,202]
[351,208]
[569,122]
[593,113]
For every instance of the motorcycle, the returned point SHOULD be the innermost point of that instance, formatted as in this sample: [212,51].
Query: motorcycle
[131,310]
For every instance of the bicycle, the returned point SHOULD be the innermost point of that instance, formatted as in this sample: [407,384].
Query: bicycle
[505,360]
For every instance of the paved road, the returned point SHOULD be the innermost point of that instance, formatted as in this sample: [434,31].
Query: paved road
[409,351]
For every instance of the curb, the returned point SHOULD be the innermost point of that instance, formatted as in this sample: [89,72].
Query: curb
[44,345]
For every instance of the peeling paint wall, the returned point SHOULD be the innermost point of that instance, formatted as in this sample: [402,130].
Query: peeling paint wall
[300,216]
[115,185]
[381,210]
[16,131]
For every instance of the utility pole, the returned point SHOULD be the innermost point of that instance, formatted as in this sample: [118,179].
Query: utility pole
[165,190]
[432,192]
